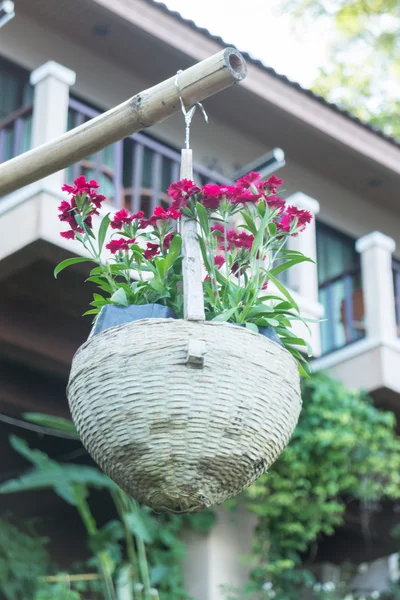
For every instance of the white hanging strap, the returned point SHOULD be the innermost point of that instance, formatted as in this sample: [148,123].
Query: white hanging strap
[193,299]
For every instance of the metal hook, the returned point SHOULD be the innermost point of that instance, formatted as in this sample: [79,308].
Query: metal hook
[188,114]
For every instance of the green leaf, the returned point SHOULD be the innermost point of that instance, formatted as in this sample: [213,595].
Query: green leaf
[225,316]
[249,222]
[252,327]
[103,230]
[203,218]
[284,291]
[119,297]
[204,253]
[70,261]
[288,264]
[93,311]
[138,526]
[57,423]
[157,285]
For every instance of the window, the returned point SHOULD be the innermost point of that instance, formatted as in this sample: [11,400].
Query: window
[15,89]
[340,290]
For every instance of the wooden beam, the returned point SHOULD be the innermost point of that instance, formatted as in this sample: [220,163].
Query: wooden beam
[143,110]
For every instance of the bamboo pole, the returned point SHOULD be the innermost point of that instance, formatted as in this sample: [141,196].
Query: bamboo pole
[143,110]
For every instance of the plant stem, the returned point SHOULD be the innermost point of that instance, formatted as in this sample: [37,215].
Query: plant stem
[91,528]
[143,565]
[120,501]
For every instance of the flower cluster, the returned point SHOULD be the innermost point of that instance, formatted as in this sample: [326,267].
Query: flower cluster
[83,203]
[242,232]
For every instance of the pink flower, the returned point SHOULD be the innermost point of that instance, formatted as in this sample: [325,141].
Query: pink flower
[181,191]
[119,245]
[303,216]
[174,214]
[122,217]
[167,240]
[243,195]
[65,209]
[265,285]
[285,223]
[151,251]
[219,260]
[68,235]
[212,195]
[218,227]
[273,183]
[276,203]
[248,180]
[239,240]
[138,215]
[160,213]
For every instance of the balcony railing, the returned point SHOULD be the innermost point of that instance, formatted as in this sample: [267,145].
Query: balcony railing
[15,133]
[136,172]
[396,277]
[342,298]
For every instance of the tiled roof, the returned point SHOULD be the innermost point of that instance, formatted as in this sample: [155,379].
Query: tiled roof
[345,113]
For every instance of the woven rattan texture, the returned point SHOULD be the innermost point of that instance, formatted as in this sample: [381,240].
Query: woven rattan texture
[178,438]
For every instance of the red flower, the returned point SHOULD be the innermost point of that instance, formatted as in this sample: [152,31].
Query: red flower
[181,191]
[68,235]
[273,183]
[151,251]
[276,203]
[65,209]
[212,195]
[303,216]
[160,213]
[218,227]
[240,240]
[174,214]
[138,215]
[243,195]
[285,223]
[265,285]
[120,244]
[248,180]
[120,218]
[219,260]
[168,239]
[238,270]
[96,199]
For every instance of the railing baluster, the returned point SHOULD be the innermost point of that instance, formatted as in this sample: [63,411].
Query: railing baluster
[330,310]
[98,161]
[175,172]
[348,306]
[76,167]
[396,269]
[17,131]
[137,177]
[118,172]
[2,145]
[155,181]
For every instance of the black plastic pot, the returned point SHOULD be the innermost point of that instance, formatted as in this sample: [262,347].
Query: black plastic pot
[112,316]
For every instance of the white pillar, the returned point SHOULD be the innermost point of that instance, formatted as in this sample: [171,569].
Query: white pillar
[378,289]
[50,107]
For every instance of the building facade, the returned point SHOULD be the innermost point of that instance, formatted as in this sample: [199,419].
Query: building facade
[62,64]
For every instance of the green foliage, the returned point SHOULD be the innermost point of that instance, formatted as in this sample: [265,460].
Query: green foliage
[367,45]
[138,554]
[342,447]
[23,558]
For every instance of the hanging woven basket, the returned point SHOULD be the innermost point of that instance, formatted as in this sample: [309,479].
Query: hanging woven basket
[184,413]
[180,433]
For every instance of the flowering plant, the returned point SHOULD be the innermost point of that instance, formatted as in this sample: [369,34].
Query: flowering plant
[144,264]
